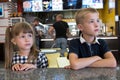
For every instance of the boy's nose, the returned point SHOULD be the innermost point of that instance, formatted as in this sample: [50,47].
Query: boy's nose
[97,24]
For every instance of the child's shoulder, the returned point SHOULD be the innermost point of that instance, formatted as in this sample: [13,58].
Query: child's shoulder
[41,53]
[101,41]
[15,54]
[75,40]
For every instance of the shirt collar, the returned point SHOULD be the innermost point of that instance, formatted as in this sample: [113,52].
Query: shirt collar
[82,40]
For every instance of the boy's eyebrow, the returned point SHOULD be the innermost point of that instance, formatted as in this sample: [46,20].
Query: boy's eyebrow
[94,19]
[91,19]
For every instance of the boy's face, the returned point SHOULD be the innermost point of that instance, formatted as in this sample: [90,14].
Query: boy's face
[90,25]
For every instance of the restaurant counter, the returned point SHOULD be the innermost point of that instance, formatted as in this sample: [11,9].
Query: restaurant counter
[101,37]
[62,74]
[111,40]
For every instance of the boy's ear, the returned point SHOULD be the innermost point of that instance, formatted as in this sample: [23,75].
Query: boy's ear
[13,41]
[80,27]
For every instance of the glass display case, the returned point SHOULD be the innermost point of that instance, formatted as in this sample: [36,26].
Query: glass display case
[72,28]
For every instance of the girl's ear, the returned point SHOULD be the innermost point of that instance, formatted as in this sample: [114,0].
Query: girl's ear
[13,41]
[80,27]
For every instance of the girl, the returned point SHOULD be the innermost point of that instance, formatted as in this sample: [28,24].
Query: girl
[20,49]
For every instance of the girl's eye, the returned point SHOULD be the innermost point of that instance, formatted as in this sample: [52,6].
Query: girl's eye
[30,35]
[22,36]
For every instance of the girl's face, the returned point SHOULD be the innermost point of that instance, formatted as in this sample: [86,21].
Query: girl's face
[90,25]
[24,41]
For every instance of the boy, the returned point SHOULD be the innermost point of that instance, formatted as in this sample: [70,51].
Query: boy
[88,51]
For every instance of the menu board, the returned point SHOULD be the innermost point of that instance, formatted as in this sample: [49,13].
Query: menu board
[72,4]
[47,5]
[111,3]
[57,5]
[98,4]
[32,6]
[42,5]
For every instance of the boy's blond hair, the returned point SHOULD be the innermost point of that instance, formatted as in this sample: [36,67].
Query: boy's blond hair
[80,15]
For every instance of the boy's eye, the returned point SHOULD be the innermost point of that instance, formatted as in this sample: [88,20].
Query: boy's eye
[98,20]
[91,21]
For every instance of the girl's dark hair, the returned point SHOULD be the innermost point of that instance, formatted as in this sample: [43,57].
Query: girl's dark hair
[10,48]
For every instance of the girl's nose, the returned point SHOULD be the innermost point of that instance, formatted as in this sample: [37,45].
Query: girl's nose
[27,39]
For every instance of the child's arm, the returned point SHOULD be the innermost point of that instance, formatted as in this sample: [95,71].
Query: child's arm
[108,61]
[27,67]
[21,67]
[78,63]
[16,67]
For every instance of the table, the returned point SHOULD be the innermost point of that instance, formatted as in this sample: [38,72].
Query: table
[62,74]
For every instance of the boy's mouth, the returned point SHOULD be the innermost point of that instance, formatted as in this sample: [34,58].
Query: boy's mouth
[96,30]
